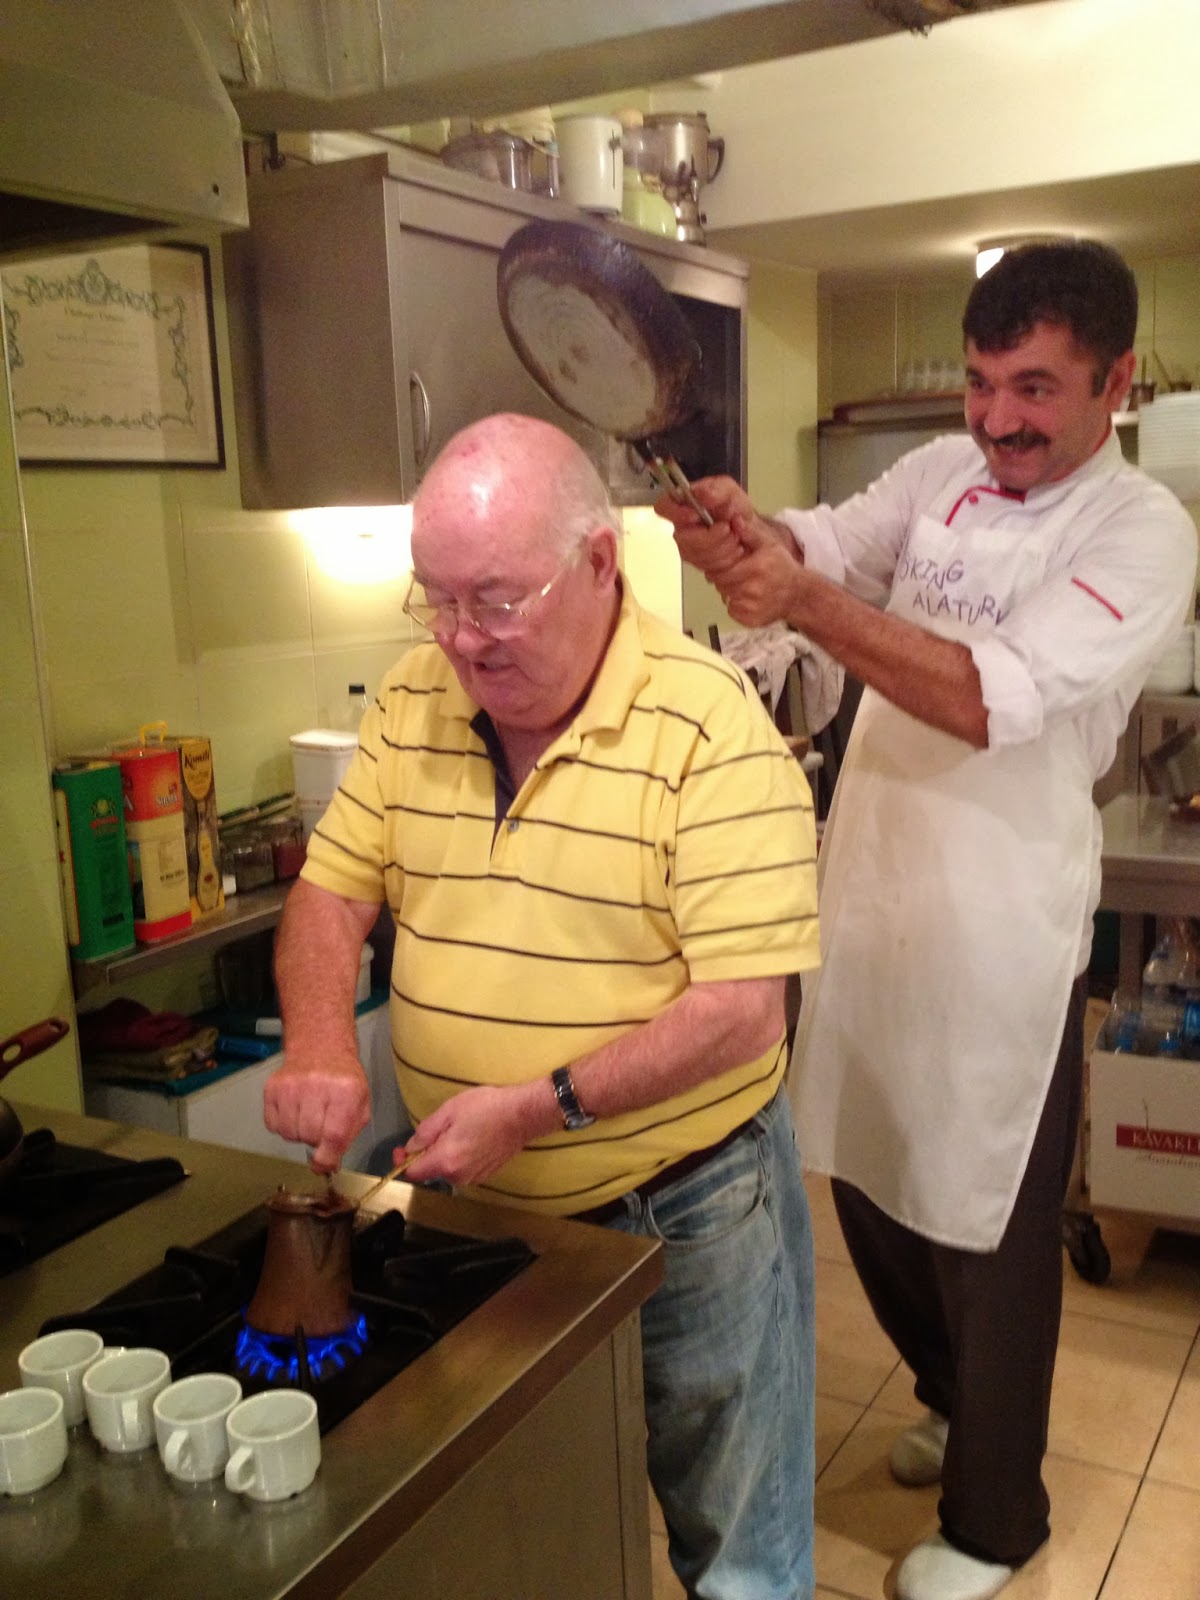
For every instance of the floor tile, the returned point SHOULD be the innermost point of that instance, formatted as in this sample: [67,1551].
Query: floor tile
[828,1242]
[666,1585]
[897,1395]
[1159,1555]
[865,1519]
[1113,1384]
[1155,1279]
[854,1356]
[1088,1508]
[835,1421]
[1176,1458]
[657,1525]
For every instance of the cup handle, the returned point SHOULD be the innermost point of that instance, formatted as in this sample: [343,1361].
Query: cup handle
[239,1469]
[131,1418]
[174,1450]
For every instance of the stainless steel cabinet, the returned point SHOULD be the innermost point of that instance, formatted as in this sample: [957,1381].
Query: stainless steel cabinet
[364,332]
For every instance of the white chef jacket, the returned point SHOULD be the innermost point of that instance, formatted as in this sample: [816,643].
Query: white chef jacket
[958,885]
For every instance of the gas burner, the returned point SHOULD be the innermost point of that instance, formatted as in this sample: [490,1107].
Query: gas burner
[274,1359]
[60,1191]
[410,1285]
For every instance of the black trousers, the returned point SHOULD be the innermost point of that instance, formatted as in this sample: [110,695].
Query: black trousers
[980,1328]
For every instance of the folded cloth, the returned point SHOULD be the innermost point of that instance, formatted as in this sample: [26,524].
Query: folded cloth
[179,1060]
[128,1025]
[127,1039]
[769,652]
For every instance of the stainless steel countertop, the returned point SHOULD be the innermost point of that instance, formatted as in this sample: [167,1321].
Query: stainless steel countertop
[109,1529]
[1151,859]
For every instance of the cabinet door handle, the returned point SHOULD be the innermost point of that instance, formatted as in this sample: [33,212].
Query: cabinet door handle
[424,433]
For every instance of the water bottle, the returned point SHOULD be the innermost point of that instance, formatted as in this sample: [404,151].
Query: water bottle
[356,704]
[1163,1022]
[1121,1030]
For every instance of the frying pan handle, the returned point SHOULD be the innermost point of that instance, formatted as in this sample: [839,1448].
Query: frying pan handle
[719,146]
[31,1042]
[422,435]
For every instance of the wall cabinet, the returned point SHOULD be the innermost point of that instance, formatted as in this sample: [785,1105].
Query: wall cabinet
[365,331]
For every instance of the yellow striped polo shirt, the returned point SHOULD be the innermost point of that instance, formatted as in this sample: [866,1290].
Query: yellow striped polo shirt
[665,838]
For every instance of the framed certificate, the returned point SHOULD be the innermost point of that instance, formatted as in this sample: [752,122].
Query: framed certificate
[112,358]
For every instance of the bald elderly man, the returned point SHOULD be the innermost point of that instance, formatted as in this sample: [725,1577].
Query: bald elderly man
[600,859]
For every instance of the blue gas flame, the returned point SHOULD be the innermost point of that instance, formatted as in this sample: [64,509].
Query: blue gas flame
[276,1358]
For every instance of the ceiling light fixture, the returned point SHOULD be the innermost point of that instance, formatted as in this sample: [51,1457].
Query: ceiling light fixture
[989,251]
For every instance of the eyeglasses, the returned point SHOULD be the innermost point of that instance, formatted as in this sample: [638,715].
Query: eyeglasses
[501,619]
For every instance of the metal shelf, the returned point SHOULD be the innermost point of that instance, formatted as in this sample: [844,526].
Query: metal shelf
[243,915]
[1168,705]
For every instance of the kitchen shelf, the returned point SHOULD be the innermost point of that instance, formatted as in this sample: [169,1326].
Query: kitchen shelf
[1168,705]
[243,915]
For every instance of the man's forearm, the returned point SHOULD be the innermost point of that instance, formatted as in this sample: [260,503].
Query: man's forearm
[317,954]
[711,1028]
[933,679]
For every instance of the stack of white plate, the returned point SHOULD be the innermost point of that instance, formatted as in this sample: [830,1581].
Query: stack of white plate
[1169,442]
[1175,670]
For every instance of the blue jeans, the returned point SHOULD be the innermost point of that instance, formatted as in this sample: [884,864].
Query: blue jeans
[728,1360]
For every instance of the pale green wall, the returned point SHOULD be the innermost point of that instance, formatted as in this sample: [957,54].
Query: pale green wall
[156,596]
[34,977]
[159,597]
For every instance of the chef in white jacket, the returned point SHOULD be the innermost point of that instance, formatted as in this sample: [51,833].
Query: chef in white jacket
[1002,596]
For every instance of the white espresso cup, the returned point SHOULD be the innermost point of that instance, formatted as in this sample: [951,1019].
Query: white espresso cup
[33,1439]
[189,1419]
[119,1392]
[275,1444]
[58,1361]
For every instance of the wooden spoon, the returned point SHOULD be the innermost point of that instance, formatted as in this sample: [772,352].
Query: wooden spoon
[360,1200]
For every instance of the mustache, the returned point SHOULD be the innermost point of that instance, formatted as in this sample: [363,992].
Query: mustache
[1023,439]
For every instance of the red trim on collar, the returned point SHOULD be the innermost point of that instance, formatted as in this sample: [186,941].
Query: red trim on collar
[984,488]
[1107,604]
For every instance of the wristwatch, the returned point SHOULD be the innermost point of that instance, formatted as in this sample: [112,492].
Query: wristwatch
[573,1115]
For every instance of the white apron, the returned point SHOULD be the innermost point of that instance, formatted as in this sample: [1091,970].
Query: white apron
[953,889]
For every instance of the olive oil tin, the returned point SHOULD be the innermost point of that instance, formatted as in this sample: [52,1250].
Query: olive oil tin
[93,863]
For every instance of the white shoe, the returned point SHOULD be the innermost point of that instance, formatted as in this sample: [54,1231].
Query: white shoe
[935,1570]
[916,1458]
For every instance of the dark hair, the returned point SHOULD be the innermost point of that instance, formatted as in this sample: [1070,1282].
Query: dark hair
[1081,284]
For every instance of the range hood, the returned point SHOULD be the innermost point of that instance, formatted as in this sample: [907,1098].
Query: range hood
[116,127]
[366,64]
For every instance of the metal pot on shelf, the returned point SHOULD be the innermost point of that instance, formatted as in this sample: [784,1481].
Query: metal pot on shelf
[691,159]
[500,157]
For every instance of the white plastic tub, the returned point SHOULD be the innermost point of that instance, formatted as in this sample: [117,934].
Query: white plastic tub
[320,757]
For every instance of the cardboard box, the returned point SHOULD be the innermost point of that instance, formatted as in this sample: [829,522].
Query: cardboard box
[1145,1134]
[205,889]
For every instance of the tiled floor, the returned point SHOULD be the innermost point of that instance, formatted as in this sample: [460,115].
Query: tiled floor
[1123,1468]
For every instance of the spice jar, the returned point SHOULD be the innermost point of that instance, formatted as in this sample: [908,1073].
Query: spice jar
[287,845]
[251,861]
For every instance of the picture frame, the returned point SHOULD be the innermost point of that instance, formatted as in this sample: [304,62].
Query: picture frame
[112,358]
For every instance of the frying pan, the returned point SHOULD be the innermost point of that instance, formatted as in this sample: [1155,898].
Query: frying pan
[20,1048]
[600,335]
